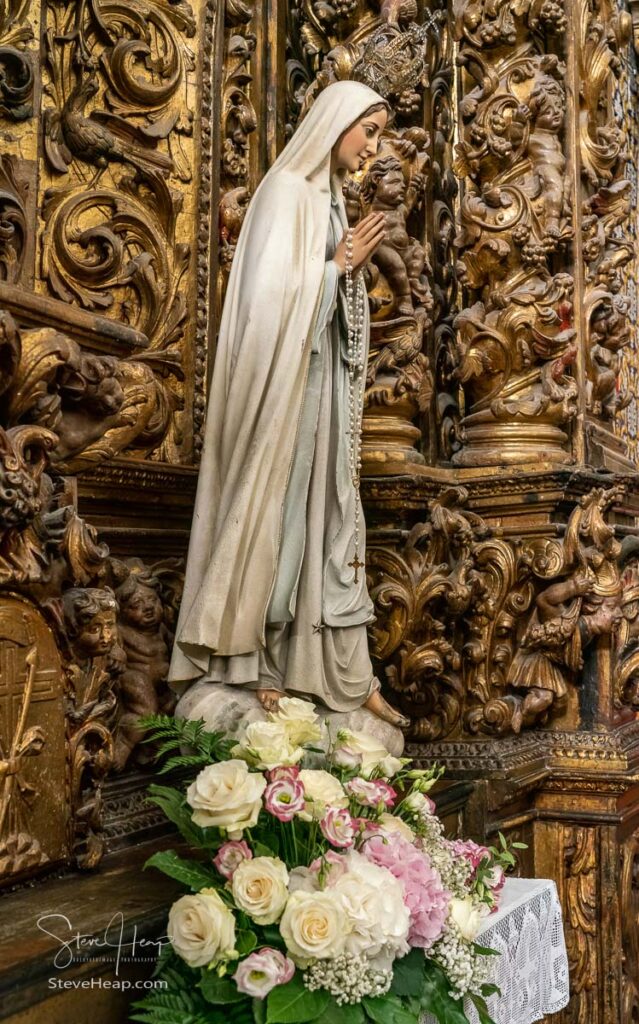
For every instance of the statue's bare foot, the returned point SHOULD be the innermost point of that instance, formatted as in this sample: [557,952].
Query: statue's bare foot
[383,710]
[269,699]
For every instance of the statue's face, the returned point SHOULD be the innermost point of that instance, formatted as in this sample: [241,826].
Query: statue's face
[143,609]
[359,143]
[98,634]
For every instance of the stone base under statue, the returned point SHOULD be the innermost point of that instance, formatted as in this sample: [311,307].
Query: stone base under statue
[228,708]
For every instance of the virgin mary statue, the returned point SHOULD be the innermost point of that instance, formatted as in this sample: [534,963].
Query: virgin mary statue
[274,597]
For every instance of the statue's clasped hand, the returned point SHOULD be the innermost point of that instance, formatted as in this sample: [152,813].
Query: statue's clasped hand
[367,235]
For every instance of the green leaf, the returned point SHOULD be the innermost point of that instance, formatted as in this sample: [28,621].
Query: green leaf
[389,1009]
[245,942]
[485,950]
[175,807]
[408,974]
[219,990]
[436,998]
[482,1009]
[490,990]
[190,873]
[294,1004]
[349,1013]
[262,850]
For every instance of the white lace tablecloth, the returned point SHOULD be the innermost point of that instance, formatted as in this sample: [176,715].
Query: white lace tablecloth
[532,971]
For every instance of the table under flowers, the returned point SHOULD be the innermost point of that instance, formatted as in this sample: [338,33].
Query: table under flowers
[532,971]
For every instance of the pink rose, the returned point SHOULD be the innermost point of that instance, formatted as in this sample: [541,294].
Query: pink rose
[338,827]
[230,855]
[284,798]
[371,793]
[262,971]
[285,773]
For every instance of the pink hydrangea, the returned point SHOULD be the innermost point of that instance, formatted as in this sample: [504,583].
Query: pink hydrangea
[230,855]
[371,793]
[262,971]
[427,900]
[285,773]
[338,827]
[284,798]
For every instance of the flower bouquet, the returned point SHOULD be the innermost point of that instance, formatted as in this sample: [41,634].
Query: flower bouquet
[325,894]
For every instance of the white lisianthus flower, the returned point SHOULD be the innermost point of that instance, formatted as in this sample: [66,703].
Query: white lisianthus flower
[321,790]
[360,750]
[226,795]
[467,916]
[390,823]
[313,926]
[418,804]
[299,720]
[387,767]
[267,745]
[201,929]
[260,888]
[378,919]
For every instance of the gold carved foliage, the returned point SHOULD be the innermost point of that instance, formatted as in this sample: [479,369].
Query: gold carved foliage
[118,156]
[96,405]
[606,205]
[17,75]
[485,635]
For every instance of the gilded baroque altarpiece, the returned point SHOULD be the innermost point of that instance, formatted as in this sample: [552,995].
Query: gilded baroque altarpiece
[501,417]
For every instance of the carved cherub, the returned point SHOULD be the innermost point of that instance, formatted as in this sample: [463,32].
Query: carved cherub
[400,258]
[146,641]
[569,613]
[547,105]
[609,333]
[90,620]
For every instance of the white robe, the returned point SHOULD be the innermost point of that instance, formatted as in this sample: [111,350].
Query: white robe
[270,599]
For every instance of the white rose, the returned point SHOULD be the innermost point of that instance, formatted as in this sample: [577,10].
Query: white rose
[226,795]
[299,720]
[390,823]
[201,929]
[259,888]
[358,748]
[312,926]
[378,919]
[466,916]
[321,790]
[267,745]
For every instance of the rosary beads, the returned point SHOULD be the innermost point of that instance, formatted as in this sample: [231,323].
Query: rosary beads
[355,306]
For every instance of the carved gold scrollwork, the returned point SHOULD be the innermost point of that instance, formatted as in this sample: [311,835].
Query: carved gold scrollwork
[13,221]
[581,900]
[16,65]
[483,635]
